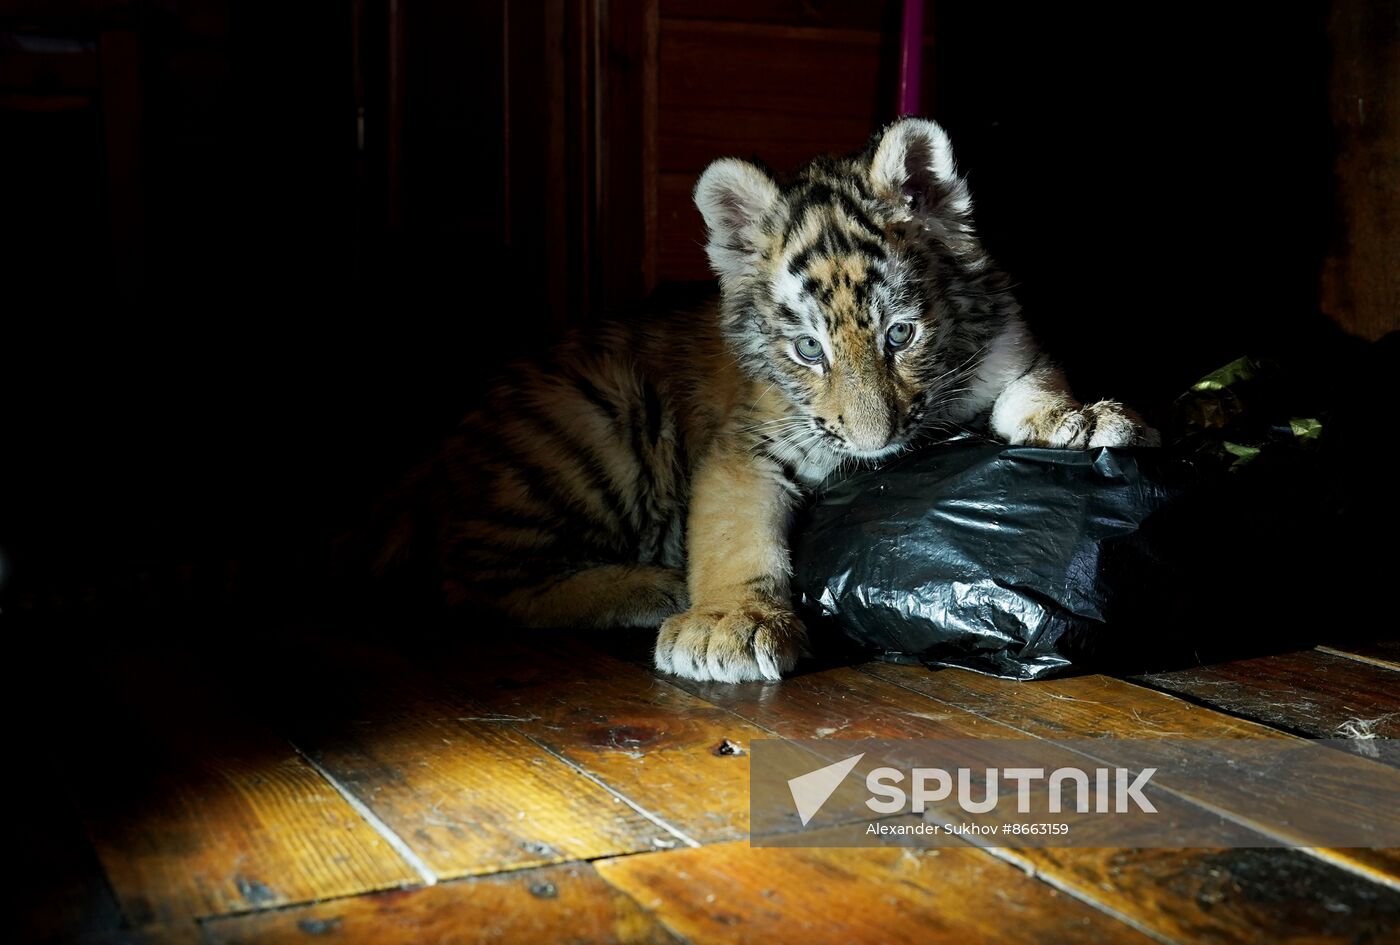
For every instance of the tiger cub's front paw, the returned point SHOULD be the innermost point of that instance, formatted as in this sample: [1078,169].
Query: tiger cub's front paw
[1073,427]
[753,639]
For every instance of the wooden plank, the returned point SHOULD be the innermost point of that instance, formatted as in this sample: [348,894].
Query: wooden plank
[1071,707]
[1311,693]
[849,14]
[1087,707]
[844,704]
[626,159]
[1153,887]
[673,755]
[787,70]
[1240,895]
[733,893]
[694,136]
[553,904]
[807,80]
[1360,285]
[466,791]
[195,811]
[536,189]
[680,251]
[691,137]
[1384,653]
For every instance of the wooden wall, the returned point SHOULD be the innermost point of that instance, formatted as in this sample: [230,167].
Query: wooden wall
[596,118]
[1361,272]
[608,112]
[779,80]
[246,312]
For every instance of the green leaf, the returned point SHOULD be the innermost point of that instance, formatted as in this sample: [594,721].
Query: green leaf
[1240,369]
[1306,428]
[1243,454]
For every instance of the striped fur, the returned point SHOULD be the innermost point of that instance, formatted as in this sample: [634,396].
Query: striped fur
[645,475]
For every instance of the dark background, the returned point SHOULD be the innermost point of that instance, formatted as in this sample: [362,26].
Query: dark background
[259,256]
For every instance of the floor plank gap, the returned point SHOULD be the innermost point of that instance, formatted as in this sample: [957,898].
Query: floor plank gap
[673,831]
[396,843]
[1007,855]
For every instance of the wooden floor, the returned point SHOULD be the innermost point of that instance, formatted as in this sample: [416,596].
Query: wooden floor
[297,787]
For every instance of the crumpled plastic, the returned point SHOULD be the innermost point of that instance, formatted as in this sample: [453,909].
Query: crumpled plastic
[1245,535]
[1005,560]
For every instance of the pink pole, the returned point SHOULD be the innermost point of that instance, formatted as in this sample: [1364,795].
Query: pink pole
[911,54]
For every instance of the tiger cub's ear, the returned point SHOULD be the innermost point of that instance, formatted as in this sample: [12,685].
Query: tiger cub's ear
[733,197]
[913,168]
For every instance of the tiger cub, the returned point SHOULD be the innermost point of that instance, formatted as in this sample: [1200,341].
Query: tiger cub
[645,476]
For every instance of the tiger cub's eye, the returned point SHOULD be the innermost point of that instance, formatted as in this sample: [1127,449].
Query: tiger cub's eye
[809,349]
[899,335]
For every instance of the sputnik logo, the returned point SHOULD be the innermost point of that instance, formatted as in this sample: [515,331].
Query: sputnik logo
[811,790]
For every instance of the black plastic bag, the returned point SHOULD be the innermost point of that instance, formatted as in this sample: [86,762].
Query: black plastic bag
[1014,561]
[1253,533]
